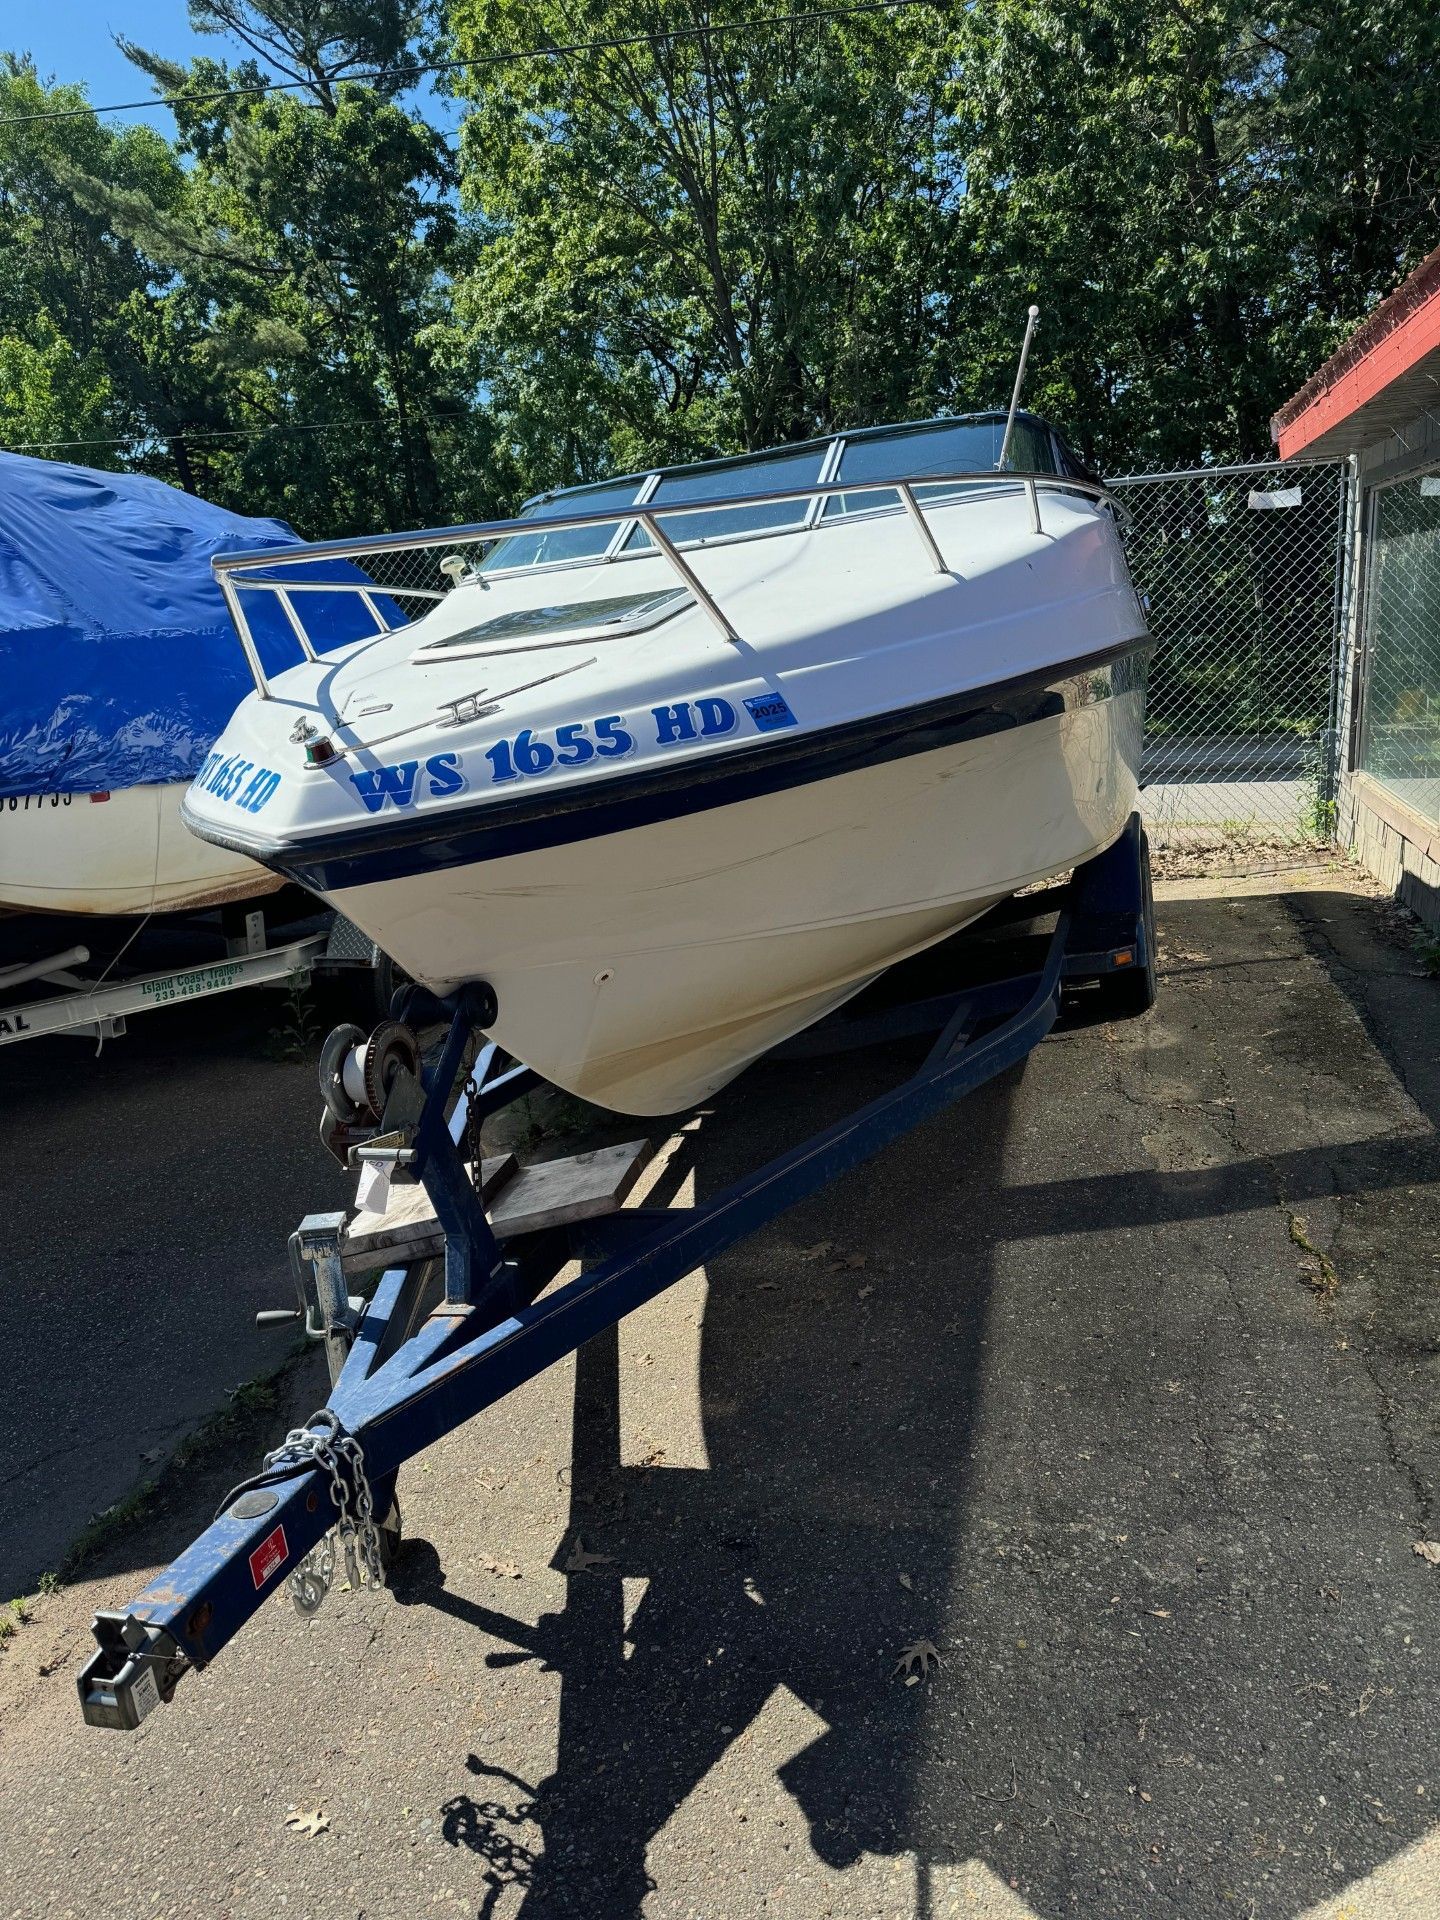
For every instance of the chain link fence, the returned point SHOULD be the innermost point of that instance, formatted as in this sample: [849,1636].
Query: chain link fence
[1242,569]
[1400,723]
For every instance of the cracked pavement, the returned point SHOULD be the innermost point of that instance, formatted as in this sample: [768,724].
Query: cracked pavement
[1116,1384]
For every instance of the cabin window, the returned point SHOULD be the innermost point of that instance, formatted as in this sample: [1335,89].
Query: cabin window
[768,473]
[563,543]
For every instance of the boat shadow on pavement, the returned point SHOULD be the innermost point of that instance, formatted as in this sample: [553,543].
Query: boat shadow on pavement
[1105,1444]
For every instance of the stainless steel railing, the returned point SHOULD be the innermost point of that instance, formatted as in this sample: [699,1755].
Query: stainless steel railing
[238,573]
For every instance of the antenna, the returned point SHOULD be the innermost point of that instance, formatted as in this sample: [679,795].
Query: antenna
[1032,317]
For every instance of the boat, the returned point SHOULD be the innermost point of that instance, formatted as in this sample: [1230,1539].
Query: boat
[678,762]
[119,666]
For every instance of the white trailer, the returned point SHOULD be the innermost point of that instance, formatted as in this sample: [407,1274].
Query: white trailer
[53,994]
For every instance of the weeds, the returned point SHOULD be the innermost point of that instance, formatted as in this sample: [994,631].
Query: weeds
[1317,1269]
[1318,819]
[1426,949]
[550,1116]
[296,1037]
[115,1519]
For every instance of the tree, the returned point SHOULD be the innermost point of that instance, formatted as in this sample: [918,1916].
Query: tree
[319,228]
[701,236]
[1203,199]
[716,239]
[85,345]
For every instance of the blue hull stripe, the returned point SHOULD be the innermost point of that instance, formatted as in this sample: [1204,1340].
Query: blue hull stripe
[552,816]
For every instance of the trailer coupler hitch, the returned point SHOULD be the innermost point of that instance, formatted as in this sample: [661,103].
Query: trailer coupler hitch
[135,1667]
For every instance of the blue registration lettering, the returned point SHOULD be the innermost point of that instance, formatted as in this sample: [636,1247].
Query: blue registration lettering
[673,723]
[444,772]
[260,789]
[377,785]
[257,793]
[716,715]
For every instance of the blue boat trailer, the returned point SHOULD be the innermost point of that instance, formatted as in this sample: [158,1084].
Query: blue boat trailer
[409,1367]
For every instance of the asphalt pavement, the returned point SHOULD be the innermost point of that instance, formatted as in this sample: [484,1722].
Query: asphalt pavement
[1106,1401]
[150,1189]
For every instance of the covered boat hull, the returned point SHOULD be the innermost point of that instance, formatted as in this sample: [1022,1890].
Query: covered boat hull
[643,968]
[121,852]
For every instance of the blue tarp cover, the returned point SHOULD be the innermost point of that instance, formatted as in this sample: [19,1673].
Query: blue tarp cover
[118,662]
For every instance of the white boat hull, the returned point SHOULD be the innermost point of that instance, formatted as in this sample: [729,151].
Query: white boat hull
[644,969]
[668,849]
[116,853]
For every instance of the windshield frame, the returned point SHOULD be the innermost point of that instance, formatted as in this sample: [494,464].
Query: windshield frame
[621,545]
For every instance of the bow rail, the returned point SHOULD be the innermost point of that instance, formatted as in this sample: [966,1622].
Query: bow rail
[255,571]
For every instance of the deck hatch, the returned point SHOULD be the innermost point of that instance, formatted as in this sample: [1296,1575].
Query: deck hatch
[599,619]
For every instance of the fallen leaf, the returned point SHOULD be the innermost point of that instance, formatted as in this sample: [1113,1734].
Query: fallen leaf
[864,1293]
[1159,1613]
[153,1454]
[579,1559]
[503,1569]
[907,1583]
[818,1251]
[921,1655]
[1428,1550]
[309,1823]
[847,1263]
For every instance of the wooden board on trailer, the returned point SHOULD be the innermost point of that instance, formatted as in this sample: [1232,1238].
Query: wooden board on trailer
[553,1193]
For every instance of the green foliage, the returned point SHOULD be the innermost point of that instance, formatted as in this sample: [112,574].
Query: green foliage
[308,304]
[297,1036]
[1198,197]
[721,240]
[49,391]
[1318,818]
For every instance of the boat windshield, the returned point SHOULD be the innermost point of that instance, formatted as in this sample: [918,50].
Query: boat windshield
[946,446]
[938,446]
[564,543]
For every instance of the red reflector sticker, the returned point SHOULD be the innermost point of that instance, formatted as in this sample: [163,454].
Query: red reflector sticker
[98,796]
[268,1557]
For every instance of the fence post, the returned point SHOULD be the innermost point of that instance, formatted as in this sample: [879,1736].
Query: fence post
[1347,634]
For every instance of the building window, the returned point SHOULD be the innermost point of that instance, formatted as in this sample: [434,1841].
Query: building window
[1400,740]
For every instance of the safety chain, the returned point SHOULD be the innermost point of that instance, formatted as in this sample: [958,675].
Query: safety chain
[472,1135]
[341,1455]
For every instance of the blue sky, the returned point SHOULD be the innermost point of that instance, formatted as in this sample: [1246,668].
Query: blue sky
[75,40]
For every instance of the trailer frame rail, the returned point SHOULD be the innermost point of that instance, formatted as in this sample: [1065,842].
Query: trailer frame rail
[500,1320]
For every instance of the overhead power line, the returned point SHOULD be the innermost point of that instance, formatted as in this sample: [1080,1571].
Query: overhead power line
[189,434]
[413,72]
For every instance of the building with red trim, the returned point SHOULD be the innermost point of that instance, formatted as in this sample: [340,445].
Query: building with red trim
[1376,403]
